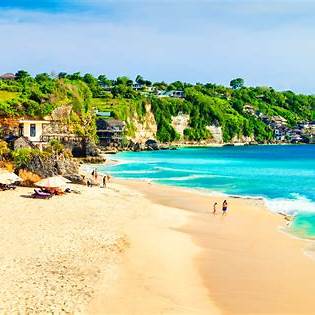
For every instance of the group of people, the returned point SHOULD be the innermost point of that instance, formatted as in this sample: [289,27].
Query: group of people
[224,207]
[96,178]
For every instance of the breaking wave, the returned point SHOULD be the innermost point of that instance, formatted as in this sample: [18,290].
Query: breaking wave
[291,206]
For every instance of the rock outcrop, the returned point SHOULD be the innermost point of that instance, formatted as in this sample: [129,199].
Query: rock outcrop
[180,123]
[145,127]
[216,132]
[49,166]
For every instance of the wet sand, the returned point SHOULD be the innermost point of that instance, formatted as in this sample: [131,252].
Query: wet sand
[248,263]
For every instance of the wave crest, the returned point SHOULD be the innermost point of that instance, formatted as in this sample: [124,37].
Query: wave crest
[296,204]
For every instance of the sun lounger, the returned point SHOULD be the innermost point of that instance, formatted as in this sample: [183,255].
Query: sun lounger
[7,187]
[38,194]
[53,191]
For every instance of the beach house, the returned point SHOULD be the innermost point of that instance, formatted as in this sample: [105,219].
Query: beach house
[172,93]
[37,133]
[110,131]
[33,130]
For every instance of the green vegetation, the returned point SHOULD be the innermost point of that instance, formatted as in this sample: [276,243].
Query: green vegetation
[22,157]
[206,104]
[237,83]
[38,97]
[7,96]
[4,149]
[124,109]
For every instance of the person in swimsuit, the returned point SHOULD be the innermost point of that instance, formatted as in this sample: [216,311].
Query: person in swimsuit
[224,207]
[214,212]
[105,181]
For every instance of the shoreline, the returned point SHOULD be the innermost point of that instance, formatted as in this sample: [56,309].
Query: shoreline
[243,292]
[202,191]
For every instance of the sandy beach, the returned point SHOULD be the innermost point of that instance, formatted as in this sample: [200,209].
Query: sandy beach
[139,248]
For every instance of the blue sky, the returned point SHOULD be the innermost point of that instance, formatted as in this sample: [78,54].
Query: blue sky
[266,42]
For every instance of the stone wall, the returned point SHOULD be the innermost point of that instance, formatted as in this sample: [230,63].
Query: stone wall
[55,128]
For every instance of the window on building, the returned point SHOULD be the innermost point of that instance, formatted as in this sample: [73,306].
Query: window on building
[21,130]
[33,130]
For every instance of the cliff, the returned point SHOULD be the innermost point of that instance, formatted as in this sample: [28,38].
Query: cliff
[144,127]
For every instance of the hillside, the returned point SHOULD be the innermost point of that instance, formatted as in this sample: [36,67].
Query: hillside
[238,112]
[40,96]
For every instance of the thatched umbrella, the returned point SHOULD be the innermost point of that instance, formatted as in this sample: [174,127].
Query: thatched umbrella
[7,178]
[66,180]
[52,182]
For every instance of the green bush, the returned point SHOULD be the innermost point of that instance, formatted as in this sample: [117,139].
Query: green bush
[23,156]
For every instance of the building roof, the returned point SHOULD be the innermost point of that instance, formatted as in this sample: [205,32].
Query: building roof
[32,121]
[103,114]
[114,123]
[24,141]
[7,76]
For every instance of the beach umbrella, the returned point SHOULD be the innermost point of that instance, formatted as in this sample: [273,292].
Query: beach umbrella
[8,178]
[51,182]
[66,180]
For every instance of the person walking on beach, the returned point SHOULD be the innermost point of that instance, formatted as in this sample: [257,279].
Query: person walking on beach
[95,175]
[224,207]
[214,212]
[104,181]
[89,183]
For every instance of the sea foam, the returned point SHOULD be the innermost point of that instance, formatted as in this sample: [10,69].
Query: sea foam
[291,206]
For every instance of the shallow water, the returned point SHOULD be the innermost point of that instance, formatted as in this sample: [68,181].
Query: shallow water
[282,174]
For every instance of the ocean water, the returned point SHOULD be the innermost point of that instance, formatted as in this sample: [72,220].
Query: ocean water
[282,174]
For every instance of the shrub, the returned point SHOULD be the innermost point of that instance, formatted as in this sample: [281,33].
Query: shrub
[4,150]
[23,156]
[55,147]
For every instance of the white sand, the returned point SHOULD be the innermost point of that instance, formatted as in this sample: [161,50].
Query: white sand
[138,248]
[59,255]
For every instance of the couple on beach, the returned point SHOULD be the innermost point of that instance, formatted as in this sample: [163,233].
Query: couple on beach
[224,207]
[97,179]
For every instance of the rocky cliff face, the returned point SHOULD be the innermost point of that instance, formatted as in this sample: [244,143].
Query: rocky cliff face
[61,113]
[180,123]
[216,132]
[145,127]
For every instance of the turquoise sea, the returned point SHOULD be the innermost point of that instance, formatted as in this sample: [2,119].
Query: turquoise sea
[282,174]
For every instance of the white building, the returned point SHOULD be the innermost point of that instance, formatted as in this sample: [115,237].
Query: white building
[32,130]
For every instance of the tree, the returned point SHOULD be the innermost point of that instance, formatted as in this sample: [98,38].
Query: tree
[21,75]
[89,79]
[237,83]
[62,75]
[139,79]
[42,77]
[104,81]
[124,81]
[74,76]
